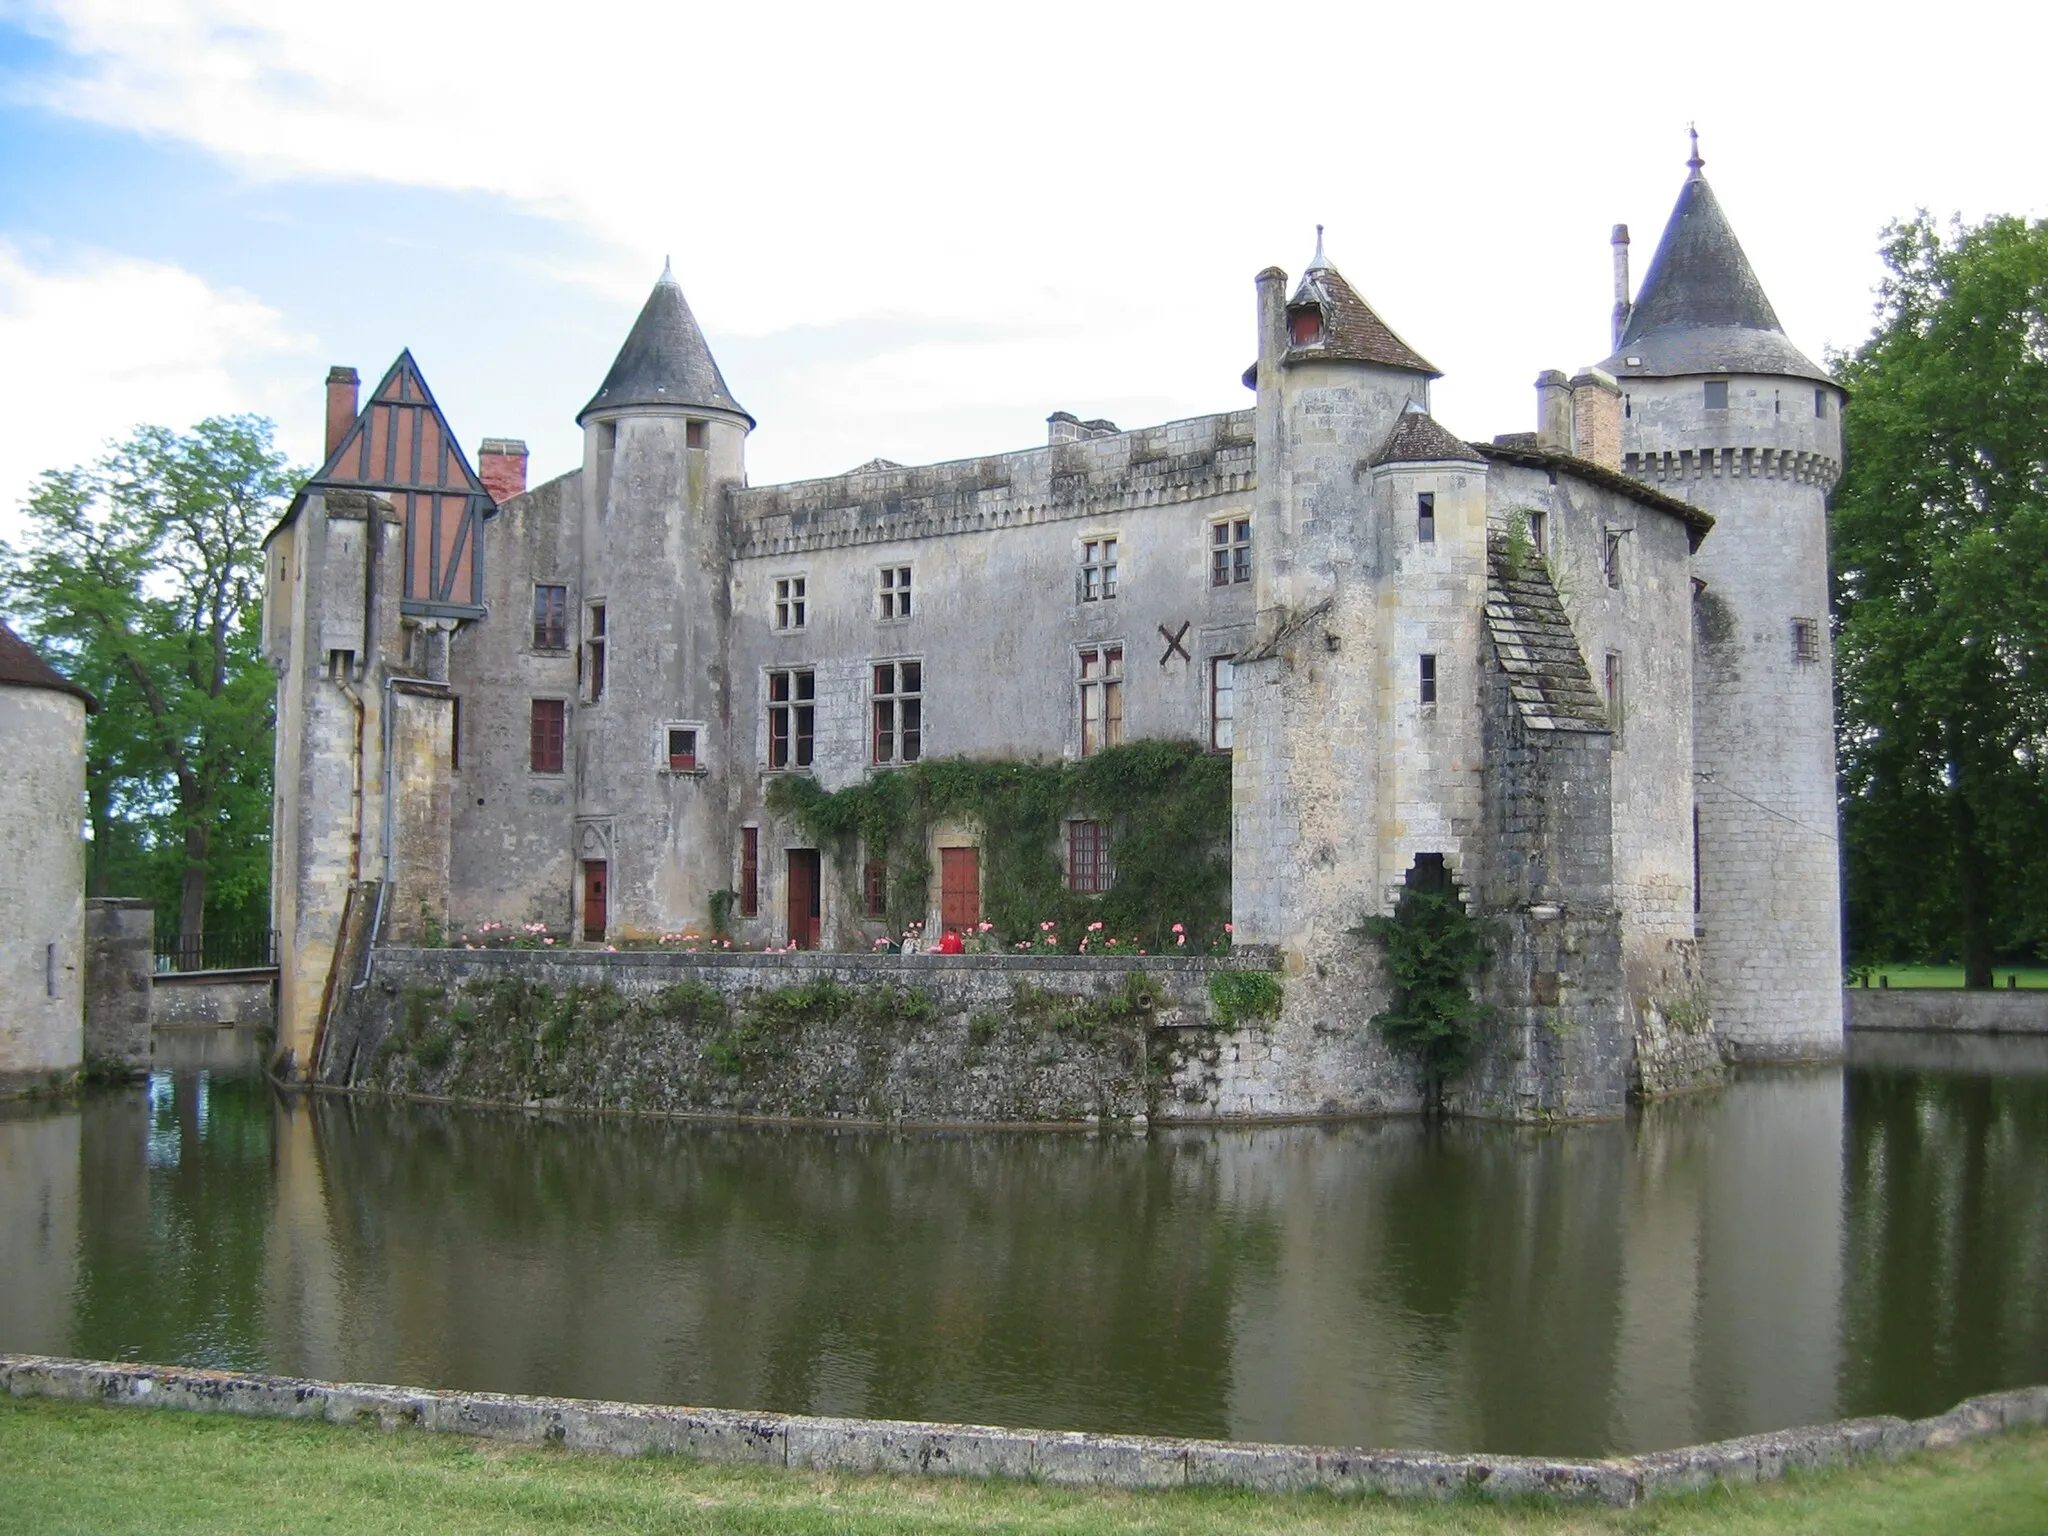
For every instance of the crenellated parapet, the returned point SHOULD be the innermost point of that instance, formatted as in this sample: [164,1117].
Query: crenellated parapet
[1693,464]
[1167,465]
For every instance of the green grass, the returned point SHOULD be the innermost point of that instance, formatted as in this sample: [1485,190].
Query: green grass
[2034,976]
[78,1467]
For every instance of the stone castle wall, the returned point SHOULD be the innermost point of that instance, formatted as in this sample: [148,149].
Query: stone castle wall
[42,898]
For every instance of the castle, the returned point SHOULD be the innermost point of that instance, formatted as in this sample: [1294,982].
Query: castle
[1584,671]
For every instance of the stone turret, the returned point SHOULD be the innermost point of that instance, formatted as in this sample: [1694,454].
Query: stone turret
[663,441]
[1721,409]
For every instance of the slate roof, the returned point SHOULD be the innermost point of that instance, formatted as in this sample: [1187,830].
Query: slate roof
[21,667]
[1417,438]
[1701,308]
[1520,448]
[665,360]
[1352,333]
[1534,643]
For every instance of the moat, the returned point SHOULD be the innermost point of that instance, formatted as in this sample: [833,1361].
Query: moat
[1805,1245]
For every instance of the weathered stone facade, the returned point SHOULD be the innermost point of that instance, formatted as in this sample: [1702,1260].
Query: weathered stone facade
[564,707]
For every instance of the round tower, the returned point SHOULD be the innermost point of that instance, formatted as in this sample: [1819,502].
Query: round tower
[662,440]
[1719,407]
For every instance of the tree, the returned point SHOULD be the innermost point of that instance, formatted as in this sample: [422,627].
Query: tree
[143,574]
[1940,533]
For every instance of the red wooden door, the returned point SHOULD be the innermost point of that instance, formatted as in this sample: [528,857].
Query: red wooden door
[805,908]
[594,905]
[959,888]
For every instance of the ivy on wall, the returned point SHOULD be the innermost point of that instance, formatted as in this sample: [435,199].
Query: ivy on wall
[1166,804]
[1435,950]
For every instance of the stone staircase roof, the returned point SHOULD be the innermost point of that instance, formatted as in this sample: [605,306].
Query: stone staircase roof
[1534,643]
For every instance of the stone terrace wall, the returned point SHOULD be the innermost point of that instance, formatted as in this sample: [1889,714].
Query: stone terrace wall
[1949,1011]
[917,1039]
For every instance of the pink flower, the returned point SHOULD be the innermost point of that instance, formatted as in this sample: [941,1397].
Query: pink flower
[547,941]
[1229,928]
[1095,927]
[1179,937]
[1178,929]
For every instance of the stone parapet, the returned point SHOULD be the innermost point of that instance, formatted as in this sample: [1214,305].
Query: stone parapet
[817,1444]
[1946,1011]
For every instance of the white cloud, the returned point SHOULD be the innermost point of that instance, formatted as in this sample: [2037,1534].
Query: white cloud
[1125,165]
[101,343]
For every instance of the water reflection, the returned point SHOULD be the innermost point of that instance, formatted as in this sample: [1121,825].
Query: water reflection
[1805,1245]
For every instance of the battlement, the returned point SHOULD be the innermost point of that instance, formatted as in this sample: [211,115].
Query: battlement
[1177,461]
[1733,464]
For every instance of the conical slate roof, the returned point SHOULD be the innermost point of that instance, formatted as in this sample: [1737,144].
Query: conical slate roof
[21,667]
[664,361]
[1418,438]
[1701,308]
[1352,333]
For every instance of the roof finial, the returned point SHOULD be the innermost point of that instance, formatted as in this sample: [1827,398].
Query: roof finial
[1695,162]
[1319,262]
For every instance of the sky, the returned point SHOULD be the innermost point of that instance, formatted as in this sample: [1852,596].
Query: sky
[911,230]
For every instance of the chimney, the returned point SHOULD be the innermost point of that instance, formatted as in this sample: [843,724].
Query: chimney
[341,405]
[501,465]
[1553,412]
[1596,417]
[1621,304]
[1063,427]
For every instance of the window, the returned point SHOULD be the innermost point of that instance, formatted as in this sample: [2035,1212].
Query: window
[682,749]
[1088,869]
[790,603]
[551,618]
[1425,518]
[1230,552]
[1611,559]
[1717,394]
[545,735]
[1820,402]
[1102,698]
[1428,679]
[694,435]
[1222,703]
[1539,533]
[1616,706]
[341,666]
[1098,570]
[455,733]
[875,888]
[791,708]
[1805,640]
[594,651]
[898,711]
[1628,405]
[750,871]
[895,592]
[1305,327]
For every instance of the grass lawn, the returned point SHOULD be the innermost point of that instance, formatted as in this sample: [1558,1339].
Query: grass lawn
[79,1467]
[2035,976]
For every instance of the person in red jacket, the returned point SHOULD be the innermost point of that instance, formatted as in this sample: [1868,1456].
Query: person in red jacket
[951,945]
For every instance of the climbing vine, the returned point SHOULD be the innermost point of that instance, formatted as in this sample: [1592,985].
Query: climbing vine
[1166,805]
[1435,950]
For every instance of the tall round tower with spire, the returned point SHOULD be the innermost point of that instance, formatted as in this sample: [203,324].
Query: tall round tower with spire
[662,439]
[1720,408]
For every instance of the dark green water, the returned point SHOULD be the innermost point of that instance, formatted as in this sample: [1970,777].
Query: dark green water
[1804,1246]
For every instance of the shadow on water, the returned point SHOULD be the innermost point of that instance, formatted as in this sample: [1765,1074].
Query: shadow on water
[1804,1245]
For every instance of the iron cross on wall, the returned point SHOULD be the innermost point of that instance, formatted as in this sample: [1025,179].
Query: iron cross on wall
[1173,644]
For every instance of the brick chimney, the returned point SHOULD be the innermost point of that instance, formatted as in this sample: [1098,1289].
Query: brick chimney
[501,464]
[1596,417]
[341,405]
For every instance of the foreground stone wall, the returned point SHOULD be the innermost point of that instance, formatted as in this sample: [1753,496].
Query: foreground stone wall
[1952,1012]
[815,1444]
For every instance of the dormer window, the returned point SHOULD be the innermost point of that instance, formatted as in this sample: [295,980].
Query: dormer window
[1305,327]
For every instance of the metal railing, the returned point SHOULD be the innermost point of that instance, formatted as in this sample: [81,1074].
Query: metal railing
[226,949]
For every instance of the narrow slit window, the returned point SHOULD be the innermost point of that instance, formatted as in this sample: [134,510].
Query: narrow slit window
[1612,559]
[1428,679]
[1539,534]
[682,749]
[455,733]
[1425,518]
[1820,402]
[1222,703]
[595,651]
[750,871]
[1617,706]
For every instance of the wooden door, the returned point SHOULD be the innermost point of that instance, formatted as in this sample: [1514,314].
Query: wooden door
[805,906]
[959,889]
[594,903]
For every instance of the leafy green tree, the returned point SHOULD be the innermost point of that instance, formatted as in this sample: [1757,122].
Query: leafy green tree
[143,573]
[1940,533]
[1435,950]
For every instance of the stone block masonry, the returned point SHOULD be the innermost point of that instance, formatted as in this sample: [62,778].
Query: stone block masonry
[814,1444]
